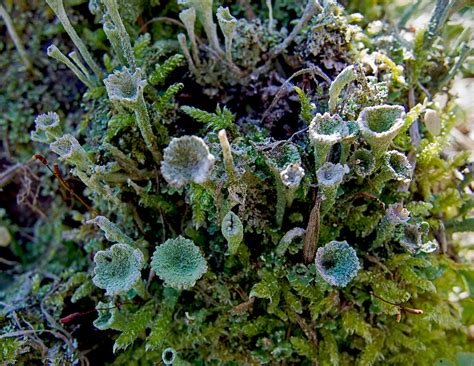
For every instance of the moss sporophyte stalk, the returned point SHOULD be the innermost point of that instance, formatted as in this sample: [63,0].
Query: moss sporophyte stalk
[235,183]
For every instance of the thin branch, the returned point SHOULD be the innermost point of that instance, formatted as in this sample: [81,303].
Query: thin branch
[312,233]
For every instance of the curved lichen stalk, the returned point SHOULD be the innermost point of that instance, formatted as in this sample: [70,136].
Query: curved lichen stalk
[188,17]
[345,77]
[58,8]
[55,53]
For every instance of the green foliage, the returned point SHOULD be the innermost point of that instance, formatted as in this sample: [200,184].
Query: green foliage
[162,71]
[221,119]
[135,325]
[306,106]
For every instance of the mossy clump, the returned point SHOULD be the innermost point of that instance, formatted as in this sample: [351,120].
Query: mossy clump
[268,182]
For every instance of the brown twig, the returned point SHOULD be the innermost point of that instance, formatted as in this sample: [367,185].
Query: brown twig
[312,233]
[57,173]
[399,307]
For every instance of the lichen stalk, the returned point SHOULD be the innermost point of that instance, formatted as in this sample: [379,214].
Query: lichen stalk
[345,77]
[55,53]
[329,179]
[184,47]
[227,155]
[58,8]
[205,16]
[114,13]
[113,36]
[126,89]
[188,17]
[227,23]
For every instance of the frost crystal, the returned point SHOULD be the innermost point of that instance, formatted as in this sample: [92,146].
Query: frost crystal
[337,263]
[118,268]
[186,159]
[179,263]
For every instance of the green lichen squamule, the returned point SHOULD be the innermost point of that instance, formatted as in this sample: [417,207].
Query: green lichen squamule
[179,263]
[117,269]
[233,231]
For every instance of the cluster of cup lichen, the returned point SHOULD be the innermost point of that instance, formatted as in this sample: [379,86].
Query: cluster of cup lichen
[307,221]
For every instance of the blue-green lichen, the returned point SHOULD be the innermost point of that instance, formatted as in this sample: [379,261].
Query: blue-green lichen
[187,159]
[179,263]
[337,263]
[117,269]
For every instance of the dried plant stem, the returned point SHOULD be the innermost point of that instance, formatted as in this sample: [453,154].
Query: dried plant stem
[312,233]
[16,39]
